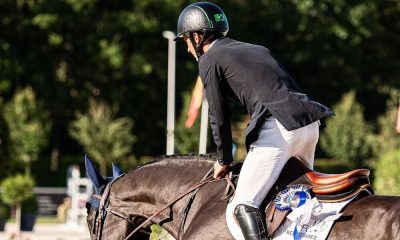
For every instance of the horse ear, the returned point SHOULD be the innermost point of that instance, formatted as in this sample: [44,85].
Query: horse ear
[93,174]
[117,171]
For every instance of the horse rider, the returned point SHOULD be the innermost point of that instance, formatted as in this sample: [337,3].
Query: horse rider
[284,121]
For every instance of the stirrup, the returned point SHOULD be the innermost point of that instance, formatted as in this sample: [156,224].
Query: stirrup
[251,222]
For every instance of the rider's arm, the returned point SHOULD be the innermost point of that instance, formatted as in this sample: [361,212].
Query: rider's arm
[219,112]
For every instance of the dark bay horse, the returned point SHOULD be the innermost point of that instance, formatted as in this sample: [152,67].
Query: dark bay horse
[136,196]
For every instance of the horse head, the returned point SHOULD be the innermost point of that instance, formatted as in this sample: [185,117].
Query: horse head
[97,205]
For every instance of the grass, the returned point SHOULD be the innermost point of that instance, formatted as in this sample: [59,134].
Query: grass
[39,220]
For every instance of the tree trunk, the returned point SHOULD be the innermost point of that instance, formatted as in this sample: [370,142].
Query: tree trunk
[18,217]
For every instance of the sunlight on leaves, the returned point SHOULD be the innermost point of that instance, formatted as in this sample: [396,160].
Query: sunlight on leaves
[55,39]
[44,20]
[111,51]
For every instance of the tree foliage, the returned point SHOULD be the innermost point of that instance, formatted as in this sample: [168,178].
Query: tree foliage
[347,134]
[387,139]
[17,189]
[28,126]
[103,136]
[71,51]
[387,177]
[325,44]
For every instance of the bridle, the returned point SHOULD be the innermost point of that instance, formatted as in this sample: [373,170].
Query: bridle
[103,209]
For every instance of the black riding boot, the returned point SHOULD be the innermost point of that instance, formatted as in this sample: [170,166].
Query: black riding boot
[251,222]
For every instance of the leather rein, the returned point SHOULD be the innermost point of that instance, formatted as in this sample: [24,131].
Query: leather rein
[103,209]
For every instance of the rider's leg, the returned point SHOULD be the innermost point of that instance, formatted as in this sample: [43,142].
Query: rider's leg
[261,169]
[307,152]
[251,222]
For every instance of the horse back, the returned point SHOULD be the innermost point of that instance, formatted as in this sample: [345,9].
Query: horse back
[369,217]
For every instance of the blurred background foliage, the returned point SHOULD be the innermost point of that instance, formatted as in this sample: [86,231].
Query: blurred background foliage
[387,175]
[104,138]
[73,53]
[28,127]
[347,136]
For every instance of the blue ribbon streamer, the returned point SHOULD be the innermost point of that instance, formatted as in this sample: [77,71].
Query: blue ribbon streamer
[303,198]
[296,234]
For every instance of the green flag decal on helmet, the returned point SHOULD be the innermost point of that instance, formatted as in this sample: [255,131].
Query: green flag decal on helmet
[220,17]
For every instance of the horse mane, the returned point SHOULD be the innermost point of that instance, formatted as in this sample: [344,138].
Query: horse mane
[182,158]
[190,157]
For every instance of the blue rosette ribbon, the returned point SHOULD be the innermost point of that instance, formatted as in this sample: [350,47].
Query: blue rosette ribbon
[292,197]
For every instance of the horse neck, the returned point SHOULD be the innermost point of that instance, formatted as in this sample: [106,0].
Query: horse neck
[149,188]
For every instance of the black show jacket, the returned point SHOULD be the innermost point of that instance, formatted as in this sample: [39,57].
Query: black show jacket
[247,74]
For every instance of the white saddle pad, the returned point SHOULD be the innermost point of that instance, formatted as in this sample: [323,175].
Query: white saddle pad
[313,220]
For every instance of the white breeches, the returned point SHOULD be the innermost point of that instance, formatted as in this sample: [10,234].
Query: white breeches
[265,161]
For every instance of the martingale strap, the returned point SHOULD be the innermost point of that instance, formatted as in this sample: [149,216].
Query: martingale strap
[189,204]
[227,194]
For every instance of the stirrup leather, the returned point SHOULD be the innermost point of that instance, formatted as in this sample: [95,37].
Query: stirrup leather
[251,222]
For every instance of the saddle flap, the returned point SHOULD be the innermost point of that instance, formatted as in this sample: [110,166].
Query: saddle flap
[274,218]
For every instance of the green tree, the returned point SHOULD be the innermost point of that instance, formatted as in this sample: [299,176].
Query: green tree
[70,51]
[28,127]
[4,163]
[104,137]
[325,44]
[17,189]
[347,134]
[387,139]
[387,177]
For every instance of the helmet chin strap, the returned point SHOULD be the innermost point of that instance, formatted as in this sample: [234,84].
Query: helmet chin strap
[198,48]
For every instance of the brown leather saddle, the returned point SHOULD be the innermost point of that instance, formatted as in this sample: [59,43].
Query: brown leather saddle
[326,187]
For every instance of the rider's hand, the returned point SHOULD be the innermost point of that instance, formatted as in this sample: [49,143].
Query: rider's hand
[220,170]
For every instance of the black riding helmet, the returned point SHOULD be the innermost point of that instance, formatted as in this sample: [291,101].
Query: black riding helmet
[202,17]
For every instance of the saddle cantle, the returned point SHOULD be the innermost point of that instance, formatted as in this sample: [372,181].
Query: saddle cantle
[326,187]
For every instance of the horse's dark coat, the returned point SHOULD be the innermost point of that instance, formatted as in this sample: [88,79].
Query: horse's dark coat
[145,190]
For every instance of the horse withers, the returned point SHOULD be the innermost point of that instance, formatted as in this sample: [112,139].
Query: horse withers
[124,201]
